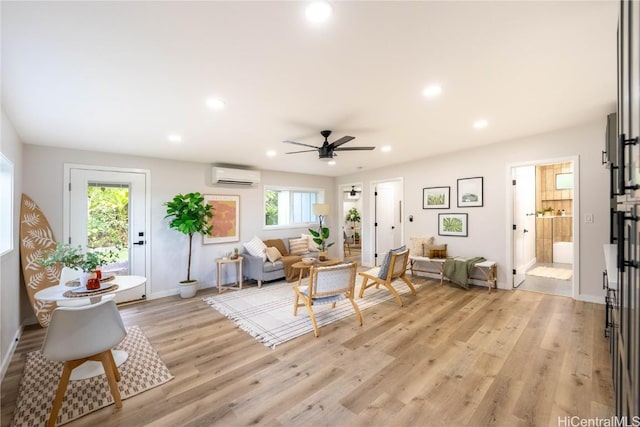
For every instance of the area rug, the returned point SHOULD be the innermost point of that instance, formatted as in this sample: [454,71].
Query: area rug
[267,313]
[551,273]
[142,371]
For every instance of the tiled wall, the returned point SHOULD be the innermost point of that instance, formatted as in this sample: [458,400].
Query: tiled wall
[552,228]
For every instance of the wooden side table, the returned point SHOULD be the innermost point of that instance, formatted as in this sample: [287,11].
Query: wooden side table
[220,262]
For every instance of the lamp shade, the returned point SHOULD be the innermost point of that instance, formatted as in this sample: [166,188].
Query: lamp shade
[321,209]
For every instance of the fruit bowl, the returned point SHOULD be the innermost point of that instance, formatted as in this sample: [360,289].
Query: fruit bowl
[308,261]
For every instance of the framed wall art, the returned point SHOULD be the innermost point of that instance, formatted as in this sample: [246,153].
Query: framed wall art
[453,224]
[470,192]
[436,197]
[225,220]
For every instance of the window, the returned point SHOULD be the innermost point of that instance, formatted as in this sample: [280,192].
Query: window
[289,206]
[6,205]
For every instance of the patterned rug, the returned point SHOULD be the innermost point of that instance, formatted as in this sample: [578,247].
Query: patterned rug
[267,313]
[142,371]
[551,273]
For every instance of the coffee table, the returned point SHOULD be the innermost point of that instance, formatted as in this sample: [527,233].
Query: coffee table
[303,267]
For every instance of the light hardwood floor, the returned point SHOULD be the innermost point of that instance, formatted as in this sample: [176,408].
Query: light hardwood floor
[449,357]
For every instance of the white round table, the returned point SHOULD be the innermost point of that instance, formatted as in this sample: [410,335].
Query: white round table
[56,293]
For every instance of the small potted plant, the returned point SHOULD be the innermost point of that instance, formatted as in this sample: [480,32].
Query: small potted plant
[234,255]
[73,257]
[189,214]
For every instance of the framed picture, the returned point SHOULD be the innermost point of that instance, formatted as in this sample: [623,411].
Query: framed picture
[469,192]
[452,224]
[436,197]
[225,220]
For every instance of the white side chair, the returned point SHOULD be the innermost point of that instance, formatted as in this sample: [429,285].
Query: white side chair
[78,334]
[68,274]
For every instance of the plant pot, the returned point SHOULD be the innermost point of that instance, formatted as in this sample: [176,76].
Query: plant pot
[323,256]
[188,289]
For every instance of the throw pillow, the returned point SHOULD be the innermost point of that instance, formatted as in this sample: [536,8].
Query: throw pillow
[384,268]
[312,245]
[273,254]
[256,247]
[298,246]
[278,244]
[434,251]
[417,243]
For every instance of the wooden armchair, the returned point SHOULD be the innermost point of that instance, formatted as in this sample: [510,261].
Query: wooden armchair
[397,268]
[327,285]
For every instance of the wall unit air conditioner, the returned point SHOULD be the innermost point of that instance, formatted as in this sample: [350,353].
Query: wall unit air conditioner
[231,176]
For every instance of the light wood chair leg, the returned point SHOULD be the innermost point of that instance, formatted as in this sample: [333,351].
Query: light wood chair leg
[409,284]
[357,309]
[295,304]
[395,293]
[62,387]
[363,286]
[115,367]
[313,318]
[111,377]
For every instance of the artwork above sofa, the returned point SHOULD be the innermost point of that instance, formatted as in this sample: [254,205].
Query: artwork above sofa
[273,259]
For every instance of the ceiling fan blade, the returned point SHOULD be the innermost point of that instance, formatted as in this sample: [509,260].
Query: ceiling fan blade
[303,151]
[339,142]
[300,143]
[354,148]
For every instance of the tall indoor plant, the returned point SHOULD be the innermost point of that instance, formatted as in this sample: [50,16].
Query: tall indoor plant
[189,214]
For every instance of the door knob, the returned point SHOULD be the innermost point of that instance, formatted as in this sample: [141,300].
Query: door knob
[139,242]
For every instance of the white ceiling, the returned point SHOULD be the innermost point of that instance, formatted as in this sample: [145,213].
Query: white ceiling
[121,76]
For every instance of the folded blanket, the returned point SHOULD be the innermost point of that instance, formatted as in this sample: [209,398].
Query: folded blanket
[458,270]
[291,274]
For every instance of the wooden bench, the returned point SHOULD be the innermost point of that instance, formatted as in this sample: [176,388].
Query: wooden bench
[486,270]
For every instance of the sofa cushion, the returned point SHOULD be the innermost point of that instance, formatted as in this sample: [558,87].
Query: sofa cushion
[273,254]
[256,247]
[298,246]
[272,266]
[278,244]
[384,268]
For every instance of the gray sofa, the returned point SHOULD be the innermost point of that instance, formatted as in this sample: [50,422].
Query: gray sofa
[253,267]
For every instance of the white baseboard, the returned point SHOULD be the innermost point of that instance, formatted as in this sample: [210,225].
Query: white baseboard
[12,349]
[591,298]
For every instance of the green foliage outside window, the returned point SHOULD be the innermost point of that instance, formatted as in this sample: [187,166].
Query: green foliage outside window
[271,208]
[108,222]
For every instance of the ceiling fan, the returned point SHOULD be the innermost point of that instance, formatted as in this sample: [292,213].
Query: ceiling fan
[353,192]
[326,151]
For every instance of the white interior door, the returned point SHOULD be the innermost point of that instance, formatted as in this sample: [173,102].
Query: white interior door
[524,220]
[388,234]
[80,180]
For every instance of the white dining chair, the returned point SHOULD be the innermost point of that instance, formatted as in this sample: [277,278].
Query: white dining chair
[67,274]
[78,334]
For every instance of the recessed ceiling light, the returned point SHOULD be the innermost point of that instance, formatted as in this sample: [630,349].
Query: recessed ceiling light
[318,11]
[331,162]
[271,153]
[480,124]
[174,137]
[215,103]
[385,148]
[432,91]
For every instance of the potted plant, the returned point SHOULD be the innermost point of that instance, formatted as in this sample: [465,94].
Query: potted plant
[73,257]
[188,214]
[320,238]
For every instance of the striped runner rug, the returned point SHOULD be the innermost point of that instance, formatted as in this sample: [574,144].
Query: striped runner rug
[267,313]
[142,371]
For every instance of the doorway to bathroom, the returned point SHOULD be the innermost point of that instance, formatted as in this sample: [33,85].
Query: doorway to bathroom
[544,230]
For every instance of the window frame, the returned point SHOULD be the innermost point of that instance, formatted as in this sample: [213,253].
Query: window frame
[6,209]
[320,192]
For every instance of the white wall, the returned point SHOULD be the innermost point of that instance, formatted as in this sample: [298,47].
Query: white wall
[488,225]
[168,177]
[10,287]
